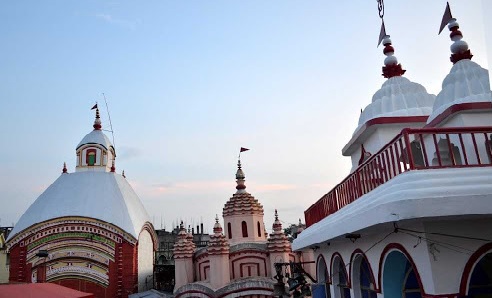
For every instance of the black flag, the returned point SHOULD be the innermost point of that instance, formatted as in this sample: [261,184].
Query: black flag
[94,107]
[382,33]
[445,18]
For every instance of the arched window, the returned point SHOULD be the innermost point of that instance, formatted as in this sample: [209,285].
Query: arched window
[259,229]
[481,278]
[245,229]
[399,277]
[366,281]
[91,157]
[229,230]
[340,283]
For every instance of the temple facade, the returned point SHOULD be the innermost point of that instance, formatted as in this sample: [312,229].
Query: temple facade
[413,217]
[239,259]
[88,230]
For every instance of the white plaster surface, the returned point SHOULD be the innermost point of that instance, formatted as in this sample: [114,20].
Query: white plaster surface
[96,137]
[145,261]
[398,96]
[466,82]
[100,195]
[414,194]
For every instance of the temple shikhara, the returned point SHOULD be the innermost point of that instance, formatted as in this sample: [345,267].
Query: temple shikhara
[413,217]
[239,259]
[88,230]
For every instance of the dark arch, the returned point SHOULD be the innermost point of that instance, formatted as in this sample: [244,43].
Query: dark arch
[229,230]
[362,276]
[259,229]
[339,277]
[470,266]
[244,228]
[396,247]
[321,265]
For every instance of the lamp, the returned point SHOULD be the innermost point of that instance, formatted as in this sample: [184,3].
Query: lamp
[279,290]
[352,237]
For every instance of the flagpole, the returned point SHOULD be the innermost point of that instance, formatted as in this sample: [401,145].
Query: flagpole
[109,117]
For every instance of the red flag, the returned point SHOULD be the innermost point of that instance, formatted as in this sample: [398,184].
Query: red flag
[94,107]
[445,18]
[243,149]
[382,33]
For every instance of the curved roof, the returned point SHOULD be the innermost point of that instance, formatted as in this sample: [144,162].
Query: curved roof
[242,203]
[104,196]
[466,82]
[398,96]
[95,137]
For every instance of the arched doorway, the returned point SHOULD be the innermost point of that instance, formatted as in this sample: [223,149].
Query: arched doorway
[400,278]
[322,288]
[362,278]
[339,279]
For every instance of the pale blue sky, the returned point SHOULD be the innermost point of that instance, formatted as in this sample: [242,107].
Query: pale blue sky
[190,82]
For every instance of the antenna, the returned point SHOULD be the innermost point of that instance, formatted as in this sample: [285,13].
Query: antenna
[109,117]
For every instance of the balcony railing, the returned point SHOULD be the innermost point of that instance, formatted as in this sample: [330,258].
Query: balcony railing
[411,149]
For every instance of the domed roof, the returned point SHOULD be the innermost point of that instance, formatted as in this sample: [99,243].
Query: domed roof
[398,96]
[466,82]
[242,202]
[100,195]
[96,137]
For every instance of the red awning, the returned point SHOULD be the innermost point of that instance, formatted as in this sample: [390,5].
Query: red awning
[40,290]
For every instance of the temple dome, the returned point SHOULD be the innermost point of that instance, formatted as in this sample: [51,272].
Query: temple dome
[242,203]
[398,97]
[95,137]
[466,82]
[103,196]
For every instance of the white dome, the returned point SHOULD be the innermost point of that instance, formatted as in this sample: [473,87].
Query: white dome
[466,82]
[398,96]
[99,195]
[96,137]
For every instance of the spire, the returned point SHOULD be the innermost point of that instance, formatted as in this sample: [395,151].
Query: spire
[123,174]
[459,48]
[240,179]
[113,169]
[391,66]
[64,171]
[277,225]
[217,226]
[97,122]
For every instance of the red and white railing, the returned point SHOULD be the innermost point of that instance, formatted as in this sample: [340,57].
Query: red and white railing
[411,149]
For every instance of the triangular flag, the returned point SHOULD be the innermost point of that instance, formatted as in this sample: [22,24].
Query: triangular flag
[94,107]
[445,18]
[243,149]
[382,33]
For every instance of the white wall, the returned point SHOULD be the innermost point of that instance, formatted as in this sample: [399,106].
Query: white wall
[145,261]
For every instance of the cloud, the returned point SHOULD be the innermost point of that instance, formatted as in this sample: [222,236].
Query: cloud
[128,24]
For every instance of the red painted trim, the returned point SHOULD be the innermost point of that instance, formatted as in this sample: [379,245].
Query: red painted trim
[245,257]
[461,107]
[352,258]
[398,247]
[205,271]
[320,258]
[87,153]
[337,254]
[384,121]
[200,269]
[470,265]
[241,269]
[192,292]
[246,289]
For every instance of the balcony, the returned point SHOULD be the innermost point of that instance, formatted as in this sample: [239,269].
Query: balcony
[410,150]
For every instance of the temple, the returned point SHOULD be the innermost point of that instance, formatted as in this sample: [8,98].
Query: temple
[88,230]
[238,261]
[413,217]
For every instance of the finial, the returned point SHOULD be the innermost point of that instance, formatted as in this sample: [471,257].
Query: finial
[216,218]
[112,167]
[64,171]
[300,222]
[97,122]
[181,226]
[391,66]
[276,215]
[240,179]
[459,48]
[123,174]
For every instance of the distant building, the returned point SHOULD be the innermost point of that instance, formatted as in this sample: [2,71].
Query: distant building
[88,230]
[4,257]
[240,261]
[164,256]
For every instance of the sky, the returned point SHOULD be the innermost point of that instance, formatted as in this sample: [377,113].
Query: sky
[188,83]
